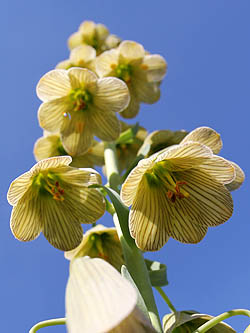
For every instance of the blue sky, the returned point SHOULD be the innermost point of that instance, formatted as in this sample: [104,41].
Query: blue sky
[206,44]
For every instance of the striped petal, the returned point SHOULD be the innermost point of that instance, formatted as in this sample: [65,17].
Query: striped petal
[76,134]
[26,221]
[112,95]
[105,125]
[47,147]
[206,136]
[95,287]
[60,226]
[18,188]
[155,67]
[82,54]
[133,108]
[81,177]
[130,52]
[106,63]
[238,180]
[147,92]
[51,115]
[54,84]
[51,163]
[82,78]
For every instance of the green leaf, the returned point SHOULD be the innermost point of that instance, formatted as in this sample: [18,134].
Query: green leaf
[140,302]
[157,273]
[128,135]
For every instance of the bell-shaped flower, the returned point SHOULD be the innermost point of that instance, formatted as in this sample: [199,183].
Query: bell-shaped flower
[79,105]
[100,242]
[54,198]
[178,192]
[51,145]
[81,56]
[189,321]
[142,73]
[99,299]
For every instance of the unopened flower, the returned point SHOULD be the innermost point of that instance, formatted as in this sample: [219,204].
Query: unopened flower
[79,105]
[81,56]
[100,242]
[189,321]
[54,198]
[178,192]
[142,73]
[51,145]
[99,299]
[90,33]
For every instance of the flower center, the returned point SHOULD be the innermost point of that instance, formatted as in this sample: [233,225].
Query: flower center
[98,244]
[47,183]
[160,175]
[124,72]
[80,98]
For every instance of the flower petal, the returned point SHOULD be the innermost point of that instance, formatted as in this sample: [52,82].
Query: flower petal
[51,163]
[154,66]
[82,53]
[147,92]
[18,187]
[105,124]
[94,287]
[130,52]
[112,95]
[75,39]
[47,146]
[81,177]
[133,108]
[51,115]
[206,136]
[106,63]
[25,221]
[82,78]
[54,84]
[238,180]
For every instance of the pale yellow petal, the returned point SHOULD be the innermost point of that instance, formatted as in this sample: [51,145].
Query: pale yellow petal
[18,187]
[146,92]
[238,180]
[76,134]
[26,219]
[81,177]
[82,78]
[54,84]
[155,67]
[95,287]
[47,147]
[88,28]
[133,108]
[60,226]
[65,64]
[82,54]
[101,31]
[112,94]
[130,52]
[112,41]
[206,136]
[52,114]
[105,124]
[75,39]
[51,163]
[106,63]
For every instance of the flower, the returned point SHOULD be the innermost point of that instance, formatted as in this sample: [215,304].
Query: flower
[81,56]
[99,299]
[142,73]
[54,198]
[79,105]
[100,242]
[178,192]
[51,145]
[90,33]
[189,321]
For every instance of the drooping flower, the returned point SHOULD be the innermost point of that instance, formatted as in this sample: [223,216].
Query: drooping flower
[100,242]
[189,321]
[178,192]
[51,145]
[99,299]
[81,56]
[54,198]
[142,73]
[79,105]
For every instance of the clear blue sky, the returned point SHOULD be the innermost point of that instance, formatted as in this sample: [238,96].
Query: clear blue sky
[206,44]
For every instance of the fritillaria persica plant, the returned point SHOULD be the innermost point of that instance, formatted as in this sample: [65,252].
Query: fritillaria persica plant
[174,181]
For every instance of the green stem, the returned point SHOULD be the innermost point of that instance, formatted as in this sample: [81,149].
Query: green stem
[216,320]
[166,299]
[133,256]
[49,322]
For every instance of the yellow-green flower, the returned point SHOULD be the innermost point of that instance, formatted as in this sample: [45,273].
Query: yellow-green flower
[79,105]
[51,145]
[142,73]
[91,34]
[178,192]
[54,198]
[99,299]
[81,56]
[100,242]
[189,321]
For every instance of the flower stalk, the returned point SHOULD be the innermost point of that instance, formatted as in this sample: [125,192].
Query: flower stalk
[46,323]
[133,256]
[166,299]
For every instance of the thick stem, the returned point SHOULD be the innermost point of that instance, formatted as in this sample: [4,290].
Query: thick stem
[216,320]
[133,256]
[49,322]
[166,299]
